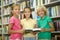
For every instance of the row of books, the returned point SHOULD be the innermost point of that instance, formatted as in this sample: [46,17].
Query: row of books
[0,21]
[22,5]
[54,11]
[6,10]
[57,25]
[5,29]
[6,20]
[6,38]
[4,2]
[34,15]
[0,11]
[35,3]
[0,3]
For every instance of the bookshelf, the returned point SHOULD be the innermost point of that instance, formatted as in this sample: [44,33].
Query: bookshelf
[53,7]
[0,22]
[5,9]
[5,16]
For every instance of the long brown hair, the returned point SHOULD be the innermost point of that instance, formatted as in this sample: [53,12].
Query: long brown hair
[12,7]
[30,11]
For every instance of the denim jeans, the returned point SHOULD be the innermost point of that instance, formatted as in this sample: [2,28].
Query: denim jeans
[44,39]
[29,38]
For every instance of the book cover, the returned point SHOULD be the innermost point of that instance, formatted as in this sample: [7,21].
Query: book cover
[34,4]
[49,10]
[39,2]
[0,3]
[52,11]
[31,3]
[46,1]
[55,25]
[34,15]
[9,1]
[59,26]
[35,29]
[0,11]
[43,1]
[14,1]
[59,10]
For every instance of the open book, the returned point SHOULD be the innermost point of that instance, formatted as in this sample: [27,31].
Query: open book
[35,29]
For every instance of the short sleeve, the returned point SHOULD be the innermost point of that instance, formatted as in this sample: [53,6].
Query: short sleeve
[49,19]
[11,20]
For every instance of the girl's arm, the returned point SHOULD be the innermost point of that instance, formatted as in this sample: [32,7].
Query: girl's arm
[9,29]
[35,26]
[13,31]
[52,27]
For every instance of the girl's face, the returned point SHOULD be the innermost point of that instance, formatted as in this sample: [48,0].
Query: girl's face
[27,12]
[16,10]
[41,13]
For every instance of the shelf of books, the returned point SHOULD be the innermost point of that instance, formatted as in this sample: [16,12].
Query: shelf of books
[0,22]
[6,10]
[53,7]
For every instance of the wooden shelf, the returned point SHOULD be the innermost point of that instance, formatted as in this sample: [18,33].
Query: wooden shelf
[52,4]
[7,5]
[55,17]
[55,32]
[12,3]
[6,34]
[5,23]
[6,15]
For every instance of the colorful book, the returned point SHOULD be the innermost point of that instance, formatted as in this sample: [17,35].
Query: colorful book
[49,11]
[0,21]
[59,10]
[34,15]
[35,29]
[0,11]
[46,1]
[57,25]
[9,1]
[0,3]
[39,2]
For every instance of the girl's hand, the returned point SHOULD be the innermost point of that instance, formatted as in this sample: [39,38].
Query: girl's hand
[21,31]
[43,30]
[33,33]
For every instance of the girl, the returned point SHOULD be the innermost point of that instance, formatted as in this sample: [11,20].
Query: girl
[14,24]
[28,22]
[45,23]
